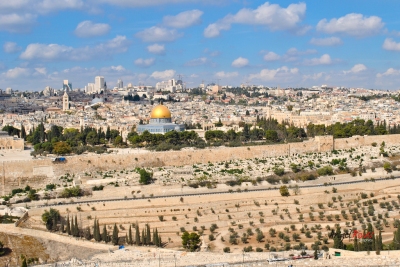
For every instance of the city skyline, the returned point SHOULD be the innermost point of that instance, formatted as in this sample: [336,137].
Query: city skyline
[275,43]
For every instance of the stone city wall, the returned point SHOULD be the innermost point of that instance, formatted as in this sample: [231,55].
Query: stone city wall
[39,172]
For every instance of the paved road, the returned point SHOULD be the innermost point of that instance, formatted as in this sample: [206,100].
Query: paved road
[78,201]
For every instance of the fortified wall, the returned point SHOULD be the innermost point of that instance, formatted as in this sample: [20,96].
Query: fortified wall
[39,172]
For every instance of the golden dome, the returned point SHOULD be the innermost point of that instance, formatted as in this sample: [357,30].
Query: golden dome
[160,112]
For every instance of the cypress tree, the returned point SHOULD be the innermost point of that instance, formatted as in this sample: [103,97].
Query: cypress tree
[114,238]
[155,238]
[130,235]
[355,243]
[396,239]
[62,227]
[76,226]
[137,235]
[68,230]
[72,227]
[108,133]
[24,264]
[94,230]
[148,235]
[337,240]
[23,132]
[87,234]
[144,239]
[370,245]
[104,235]
[98,231]
[380,244]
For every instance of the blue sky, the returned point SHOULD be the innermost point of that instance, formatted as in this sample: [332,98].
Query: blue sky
[352,43]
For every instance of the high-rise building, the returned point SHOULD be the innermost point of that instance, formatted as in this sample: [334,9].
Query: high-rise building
[120,84]
[67,86]
[9,91]
[98,84]
[48,91]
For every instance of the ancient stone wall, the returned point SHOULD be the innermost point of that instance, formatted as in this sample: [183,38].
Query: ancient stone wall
[357,141]
[38,173]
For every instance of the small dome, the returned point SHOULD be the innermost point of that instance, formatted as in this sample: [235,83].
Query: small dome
[97,100]
[160,112]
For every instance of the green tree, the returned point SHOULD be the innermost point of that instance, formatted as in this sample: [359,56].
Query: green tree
[271,135]
[61,148]
[316,250]
[104,234]
[145,177]
[118,141]
[137,235]
[23,132]
[130,239]
[219,123]
[337,240]
[50,218]
[68,227]
[284,191]
[190,241]
[24,264]
[114,238]
[387,167]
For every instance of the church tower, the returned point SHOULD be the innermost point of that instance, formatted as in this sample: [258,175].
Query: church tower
[65,102]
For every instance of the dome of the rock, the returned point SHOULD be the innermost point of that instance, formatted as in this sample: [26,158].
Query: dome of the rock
[160,112]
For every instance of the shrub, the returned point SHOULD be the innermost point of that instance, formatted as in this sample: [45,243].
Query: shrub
[326,170]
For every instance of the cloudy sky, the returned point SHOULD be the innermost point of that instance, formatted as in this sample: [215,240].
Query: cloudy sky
[352,43]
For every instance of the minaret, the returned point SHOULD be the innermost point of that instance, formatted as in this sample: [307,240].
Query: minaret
[65,101]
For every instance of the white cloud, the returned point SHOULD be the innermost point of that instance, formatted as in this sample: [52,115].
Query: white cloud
[352,24]
[240,62]
[16,73]
[21,15]
[156,49]
[329,41]
[16,22]
[273,74]
[226,75]
[141,62]
[163,75]
[89,29]
[356,69]
[271,56]
[158,34]
[315,76]
[142,3]
[46,52]
[323,60]
[293,54]
[38,51]
[117,68]
[211,53]
[197,62]
[184,19]
[271,15]
[41,71]
[11,47]
[391,45]
[389,72]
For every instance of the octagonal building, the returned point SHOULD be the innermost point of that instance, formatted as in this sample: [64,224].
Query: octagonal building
[160,122]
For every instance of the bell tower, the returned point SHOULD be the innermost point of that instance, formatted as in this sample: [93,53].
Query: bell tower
[65,101]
